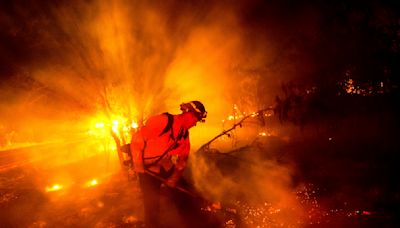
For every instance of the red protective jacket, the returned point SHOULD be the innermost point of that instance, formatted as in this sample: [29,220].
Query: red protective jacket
[153,146]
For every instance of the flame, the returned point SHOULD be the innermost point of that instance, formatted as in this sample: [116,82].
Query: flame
[134,125]
[91,183]
[55,187]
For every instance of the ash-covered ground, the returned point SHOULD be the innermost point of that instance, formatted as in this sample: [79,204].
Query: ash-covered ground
[82,193]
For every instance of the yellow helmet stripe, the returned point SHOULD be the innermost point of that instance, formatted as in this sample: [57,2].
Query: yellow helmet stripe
[194,107]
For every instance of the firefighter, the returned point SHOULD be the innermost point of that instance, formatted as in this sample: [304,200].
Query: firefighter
[160,151]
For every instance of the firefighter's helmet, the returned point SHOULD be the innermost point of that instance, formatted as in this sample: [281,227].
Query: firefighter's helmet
[197,108]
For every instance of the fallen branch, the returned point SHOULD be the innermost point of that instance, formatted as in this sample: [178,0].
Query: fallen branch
[225,132]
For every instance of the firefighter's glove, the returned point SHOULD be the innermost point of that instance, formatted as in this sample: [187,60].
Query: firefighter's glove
[171,182]
[132,174]
[174,178]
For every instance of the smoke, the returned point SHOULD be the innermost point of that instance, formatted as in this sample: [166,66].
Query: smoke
[250,176]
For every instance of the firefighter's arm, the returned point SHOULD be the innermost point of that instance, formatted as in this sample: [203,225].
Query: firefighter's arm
[137,145]
[180,162]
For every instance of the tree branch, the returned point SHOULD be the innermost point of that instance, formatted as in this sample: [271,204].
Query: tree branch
[225,132]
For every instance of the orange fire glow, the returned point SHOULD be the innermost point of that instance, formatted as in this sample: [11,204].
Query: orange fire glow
[92,183]
[54,188]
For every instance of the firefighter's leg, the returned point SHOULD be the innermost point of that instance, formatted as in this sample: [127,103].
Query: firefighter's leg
[151,199]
